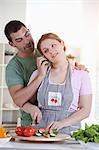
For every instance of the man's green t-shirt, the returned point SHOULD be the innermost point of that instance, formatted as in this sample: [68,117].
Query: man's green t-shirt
[18,71]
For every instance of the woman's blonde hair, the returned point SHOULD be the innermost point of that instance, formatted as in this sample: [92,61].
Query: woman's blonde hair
[48,36]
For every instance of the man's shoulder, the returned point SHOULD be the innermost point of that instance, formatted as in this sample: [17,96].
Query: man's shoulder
[12,62]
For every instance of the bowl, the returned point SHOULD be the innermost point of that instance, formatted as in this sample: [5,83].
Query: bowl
[5,140]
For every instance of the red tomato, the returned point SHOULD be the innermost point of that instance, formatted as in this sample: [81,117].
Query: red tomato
[42,130]
[29,131]
[19,131]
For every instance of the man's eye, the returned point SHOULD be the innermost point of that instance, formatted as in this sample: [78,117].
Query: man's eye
[19,40]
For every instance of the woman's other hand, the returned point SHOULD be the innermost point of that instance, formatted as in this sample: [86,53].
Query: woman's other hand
[56,125]
[42,64]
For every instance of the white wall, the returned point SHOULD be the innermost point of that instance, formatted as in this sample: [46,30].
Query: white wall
[11,9]
[90,45]
[63,17]
[97,69]
[74,20]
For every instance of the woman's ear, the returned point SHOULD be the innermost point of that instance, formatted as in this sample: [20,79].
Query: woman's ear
[62,42]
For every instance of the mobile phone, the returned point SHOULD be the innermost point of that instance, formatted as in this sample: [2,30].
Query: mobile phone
[49,63]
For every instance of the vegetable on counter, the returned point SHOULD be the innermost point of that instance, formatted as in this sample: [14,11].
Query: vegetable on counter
[19,131]
[47,132]
[90,134]
[30,131]
[3,132]
[25,131]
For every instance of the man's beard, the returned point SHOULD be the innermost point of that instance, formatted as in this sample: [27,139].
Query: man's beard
[30,46]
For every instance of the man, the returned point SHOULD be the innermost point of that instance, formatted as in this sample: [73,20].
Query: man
[20,68]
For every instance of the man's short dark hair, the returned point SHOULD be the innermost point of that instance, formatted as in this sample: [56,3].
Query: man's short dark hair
[12,27]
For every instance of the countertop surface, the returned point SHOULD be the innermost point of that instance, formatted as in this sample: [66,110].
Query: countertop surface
[25,145]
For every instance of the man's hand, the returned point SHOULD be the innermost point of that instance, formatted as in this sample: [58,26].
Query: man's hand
[34,111]
[36,114]
[80,67]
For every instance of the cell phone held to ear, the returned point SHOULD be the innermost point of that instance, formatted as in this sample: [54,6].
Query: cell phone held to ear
[47,61]
[43,60]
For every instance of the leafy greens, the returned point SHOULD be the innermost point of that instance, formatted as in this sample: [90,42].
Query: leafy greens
[90,134]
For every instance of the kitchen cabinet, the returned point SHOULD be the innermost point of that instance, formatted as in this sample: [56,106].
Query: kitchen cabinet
[8,110]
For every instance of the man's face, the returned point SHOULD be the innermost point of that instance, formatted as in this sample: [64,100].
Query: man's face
[22,40]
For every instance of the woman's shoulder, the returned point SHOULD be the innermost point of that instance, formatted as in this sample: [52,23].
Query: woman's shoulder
[80,74]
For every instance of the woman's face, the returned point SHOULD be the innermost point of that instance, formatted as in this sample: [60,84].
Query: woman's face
[52,49]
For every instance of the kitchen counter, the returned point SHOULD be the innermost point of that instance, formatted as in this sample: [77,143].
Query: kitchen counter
[25,145]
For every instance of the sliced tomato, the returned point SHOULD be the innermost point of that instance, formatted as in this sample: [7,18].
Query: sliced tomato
[42,130]
[46,135]
[46,130]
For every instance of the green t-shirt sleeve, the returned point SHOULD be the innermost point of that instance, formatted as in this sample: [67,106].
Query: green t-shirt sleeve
[13,75]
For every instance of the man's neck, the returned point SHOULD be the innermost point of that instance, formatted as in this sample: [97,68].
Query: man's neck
[25,55]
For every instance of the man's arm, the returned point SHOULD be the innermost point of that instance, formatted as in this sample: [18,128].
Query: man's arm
[21,94]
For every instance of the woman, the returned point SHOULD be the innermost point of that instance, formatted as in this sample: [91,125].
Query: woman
[64,97]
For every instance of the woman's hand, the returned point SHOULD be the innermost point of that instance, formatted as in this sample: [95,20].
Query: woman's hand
[42,64]
[56,125]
